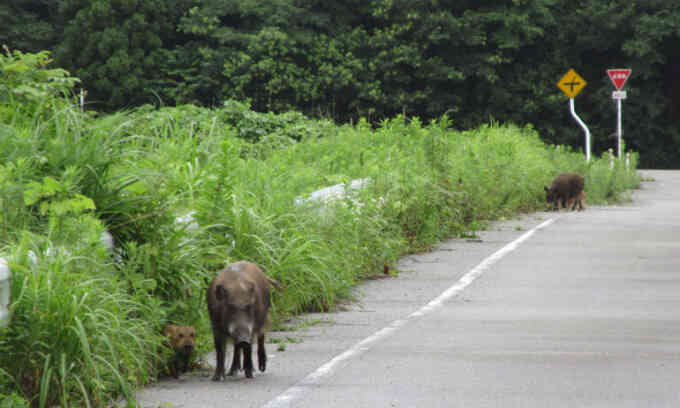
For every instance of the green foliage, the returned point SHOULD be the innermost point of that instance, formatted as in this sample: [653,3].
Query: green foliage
[28,87]
[28,25]
[55,199]
[117,47]
[13,401]
[475,62]
[76,338]
[86,326]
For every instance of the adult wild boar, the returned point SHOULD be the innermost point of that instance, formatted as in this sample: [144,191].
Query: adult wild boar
[565,187]
[238,303]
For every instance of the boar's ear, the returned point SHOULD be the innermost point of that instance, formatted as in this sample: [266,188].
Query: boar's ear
[169,330]
[220,292]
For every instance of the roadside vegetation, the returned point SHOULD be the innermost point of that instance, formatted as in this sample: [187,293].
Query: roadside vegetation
[184,190]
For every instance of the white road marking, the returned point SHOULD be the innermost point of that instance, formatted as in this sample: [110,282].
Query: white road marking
[314,379]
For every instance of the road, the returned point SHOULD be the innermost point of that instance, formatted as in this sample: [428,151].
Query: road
[559,310]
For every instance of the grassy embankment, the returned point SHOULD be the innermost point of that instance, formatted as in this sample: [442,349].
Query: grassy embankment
[87,324]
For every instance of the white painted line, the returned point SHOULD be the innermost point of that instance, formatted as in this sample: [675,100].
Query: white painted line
[314,379]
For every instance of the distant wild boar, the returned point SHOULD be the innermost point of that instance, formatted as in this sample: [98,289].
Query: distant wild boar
[181,339]
[565,187]
[238,304]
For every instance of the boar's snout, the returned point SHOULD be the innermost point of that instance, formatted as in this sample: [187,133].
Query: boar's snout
[241,333]
[188,348]
[242,337]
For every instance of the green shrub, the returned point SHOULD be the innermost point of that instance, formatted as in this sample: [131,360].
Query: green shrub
[29,90]
[13,400]
[77,336]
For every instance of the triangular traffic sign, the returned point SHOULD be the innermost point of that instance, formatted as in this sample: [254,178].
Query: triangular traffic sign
[618,77]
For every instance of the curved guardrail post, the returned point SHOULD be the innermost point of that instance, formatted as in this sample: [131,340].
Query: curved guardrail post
[583,125]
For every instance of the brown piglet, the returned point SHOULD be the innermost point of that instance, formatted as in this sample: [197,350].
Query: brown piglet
[238,304]
[181,339]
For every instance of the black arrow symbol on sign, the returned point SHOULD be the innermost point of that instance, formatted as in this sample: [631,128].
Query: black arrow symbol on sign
[572,84]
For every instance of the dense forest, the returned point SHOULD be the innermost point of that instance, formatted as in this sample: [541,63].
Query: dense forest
[476,61]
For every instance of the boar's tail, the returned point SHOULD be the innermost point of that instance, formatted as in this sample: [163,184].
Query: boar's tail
[276,284]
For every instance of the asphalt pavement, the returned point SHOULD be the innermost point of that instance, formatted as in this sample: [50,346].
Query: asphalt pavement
[569,309]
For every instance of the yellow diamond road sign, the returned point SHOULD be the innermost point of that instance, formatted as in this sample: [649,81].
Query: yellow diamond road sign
[571,83]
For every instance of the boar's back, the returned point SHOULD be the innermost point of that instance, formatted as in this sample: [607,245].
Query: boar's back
[568,184]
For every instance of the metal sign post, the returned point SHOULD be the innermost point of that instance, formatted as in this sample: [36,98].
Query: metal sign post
[619,128]
[571,84]
[619,120]
[619,78]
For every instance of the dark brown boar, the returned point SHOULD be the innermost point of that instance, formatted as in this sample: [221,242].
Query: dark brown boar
[181,339]
[565,187]
[238,303]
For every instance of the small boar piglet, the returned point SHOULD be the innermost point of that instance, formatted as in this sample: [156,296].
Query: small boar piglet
[181,339]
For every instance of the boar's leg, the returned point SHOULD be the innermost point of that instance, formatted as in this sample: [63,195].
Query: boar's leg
[247,359]
[261,353]
[562,204]
[220,344]
[172,369]
[556,203]
[180,364]
[185,362]
[580,204]
[236,362]
[573,202]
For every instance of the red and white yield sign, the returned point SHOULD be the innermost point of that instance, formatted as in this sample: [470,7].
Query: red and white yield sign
[618,77]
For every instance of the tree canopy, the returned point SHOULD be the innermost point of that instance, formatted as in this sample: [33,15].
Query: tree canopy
[472,60]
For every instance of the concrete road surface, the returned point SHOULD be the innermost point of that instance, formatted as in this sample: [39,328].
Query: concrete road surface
[549,310]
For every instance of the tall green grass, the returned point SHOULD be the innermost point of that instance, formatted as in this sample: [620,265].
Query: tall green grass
[87,323]
[77,338]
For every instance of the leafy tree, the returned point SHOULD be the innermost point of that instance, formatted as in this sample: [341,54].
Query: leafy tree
[222,33]
[473,60]
[116,46]
[653,51]
[595,36]
[28,25]
[28,87]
